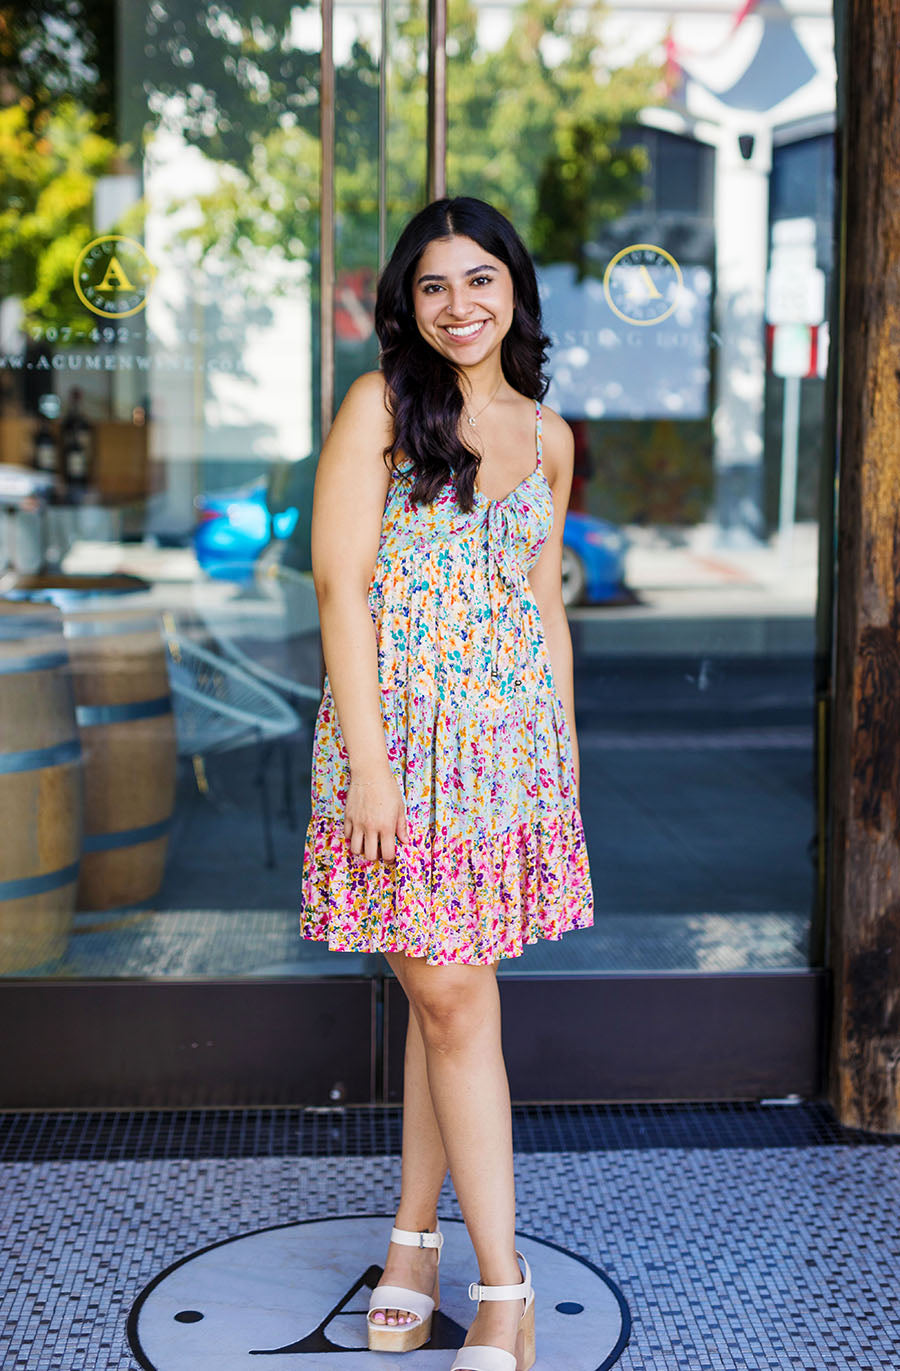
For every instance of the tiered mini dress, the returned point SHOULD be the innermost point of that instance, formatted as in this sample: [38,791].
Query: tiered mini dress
[477,739]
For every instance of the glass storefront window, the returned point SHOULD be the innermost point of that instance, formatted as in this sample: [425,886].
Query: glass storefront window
[161,340]
[671,174]
[159,424]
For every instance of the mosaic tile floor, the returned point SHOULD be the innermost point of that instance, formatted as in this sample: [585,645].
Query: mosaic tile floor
[741,1238]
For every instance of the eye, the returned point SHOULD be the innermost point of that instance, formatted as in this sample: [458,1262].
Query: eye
[431,287]
[487,279]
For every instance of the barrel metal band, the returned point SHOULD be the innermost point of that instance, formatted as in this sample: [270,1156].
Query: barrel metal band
[126,837]
[100,628]
[16,627]
[33,758]
[38,885]
[39,661]
[88,715]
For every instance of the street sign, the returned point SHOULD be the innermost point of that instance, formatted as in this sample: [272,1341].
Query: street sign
[792,350]
[795,286]
[795,296]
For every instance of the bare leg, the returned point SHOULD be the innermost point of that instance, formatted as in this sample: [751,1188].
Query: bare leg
[424,1169]
[458,1012]
[424,1158]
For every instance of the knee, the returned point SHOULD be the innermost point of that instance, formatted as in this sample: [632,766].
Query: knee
[453,1016]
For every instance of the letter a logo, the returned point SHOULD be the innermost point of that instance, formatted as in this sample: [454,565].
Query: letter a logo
[115,277]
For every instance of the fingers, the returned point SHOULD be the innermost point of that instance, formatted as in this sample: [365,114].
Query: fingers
[363,841]
[372,843]
[374,824]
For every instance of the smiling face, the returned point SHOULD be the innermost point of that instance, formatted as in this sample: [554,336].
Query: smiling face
[463,299]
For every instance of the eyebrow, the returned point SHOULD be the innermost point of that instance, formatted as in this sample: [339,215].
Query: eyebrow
[486,266]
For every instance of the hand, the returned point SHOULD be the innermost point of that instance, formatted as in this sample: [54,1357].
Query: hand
[375,816]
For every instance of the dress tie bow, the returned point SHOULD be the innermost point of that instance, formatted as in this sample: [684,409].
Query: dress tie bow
[506,573]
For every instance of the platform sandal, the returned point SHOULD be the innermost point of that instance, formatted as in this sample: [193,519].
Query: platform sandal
[405,1337]
[475,1358]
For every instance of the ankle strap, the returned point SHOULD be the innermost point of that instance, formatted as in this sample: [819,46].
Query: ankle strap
[504,1292]
[406,1238]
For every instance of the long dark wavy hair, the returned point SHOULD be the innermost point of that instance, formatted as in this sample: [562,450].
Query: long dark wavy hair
[424,394]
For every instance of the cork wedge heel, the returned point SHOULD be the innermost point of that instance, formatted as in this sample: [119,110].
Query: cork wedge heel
[478,1358]
[405,1337]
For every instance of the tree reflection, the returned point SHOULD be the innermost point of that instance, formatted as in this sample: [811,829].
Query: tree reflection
[534,122]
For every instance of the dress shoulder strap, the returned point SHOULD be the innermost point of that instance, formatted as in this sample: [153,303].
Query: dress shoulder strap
[538,431]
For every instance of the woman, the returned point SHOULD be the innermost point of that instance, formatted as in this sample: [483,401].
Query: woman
[445,830]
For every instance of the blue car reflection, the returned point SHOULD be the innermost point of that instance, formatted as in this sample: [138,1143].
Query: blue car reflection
[235,526]
[593,560]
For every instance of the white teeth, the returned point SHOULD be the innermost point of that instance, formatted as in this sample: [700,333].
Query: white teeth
[464,332]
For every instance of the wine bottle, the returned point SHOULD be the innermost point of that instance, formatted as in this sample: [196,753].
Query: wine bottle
[76,444]
[44,451]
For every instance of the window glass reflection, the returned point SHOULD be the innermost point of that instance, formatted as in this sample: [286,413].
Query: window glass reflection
[671,174]
[670,168]
[159,416]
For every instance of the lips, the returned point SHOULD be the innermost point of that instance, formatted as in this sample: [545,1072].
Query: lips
[473,330]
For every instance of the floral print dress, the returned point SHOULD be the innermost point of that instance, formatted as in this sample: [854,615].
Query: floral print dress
[477,739]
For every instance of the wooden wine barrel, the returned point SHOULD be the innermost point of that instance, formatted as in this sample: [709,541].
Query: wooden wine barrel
[123,707]
[40,788]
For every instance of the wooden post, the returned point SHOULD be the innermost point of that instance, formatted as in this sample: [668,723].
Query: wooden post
[865,801]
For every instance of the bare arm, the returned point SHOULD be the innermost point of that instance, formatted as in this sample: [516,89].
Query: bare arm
[545,576]
[348,502]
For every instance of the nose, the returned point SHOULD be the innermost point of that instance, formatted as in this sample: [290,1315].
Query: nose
[458,303]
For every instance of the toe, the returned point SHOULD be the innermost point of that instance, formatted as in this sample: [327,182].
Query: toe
[393,1318]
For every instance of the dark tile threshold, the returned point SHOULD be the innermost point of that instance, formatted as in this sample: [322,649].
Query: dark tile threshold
[375,1131]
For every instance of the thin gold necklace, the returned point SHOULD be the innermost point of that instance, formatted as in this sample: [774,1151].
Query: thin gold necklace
[472,417]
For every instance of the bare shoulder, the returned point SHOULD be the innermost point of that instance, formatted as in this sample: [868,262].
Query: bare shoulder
[370,388]
[352,480]
[352,463]
[558,444]
[366,402]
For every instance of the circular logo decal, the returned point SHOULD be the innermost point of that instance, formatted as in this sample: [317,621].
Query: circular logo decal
[642,284]
[302,1290]
[113,276]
